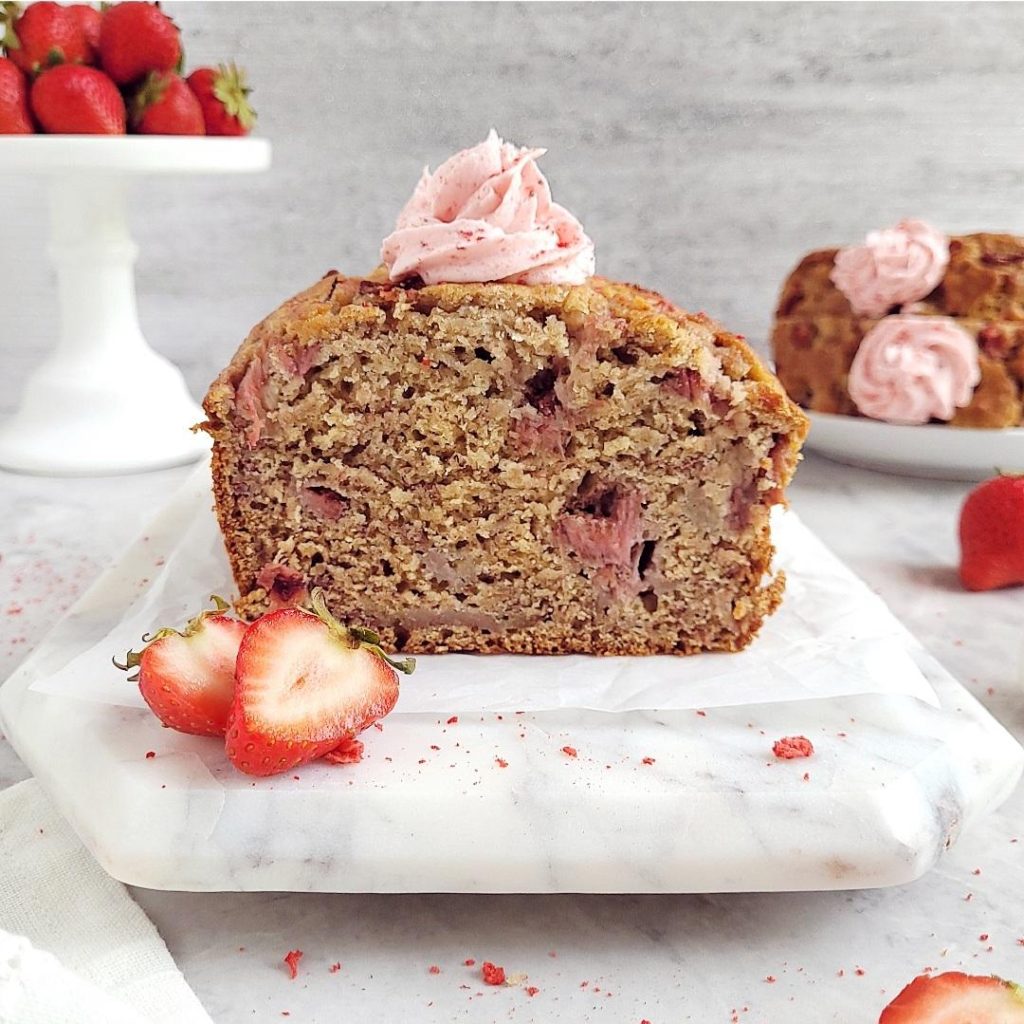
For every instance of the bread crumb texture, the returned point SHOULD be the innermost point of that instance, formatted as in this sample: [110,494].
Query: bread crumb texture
[504,468]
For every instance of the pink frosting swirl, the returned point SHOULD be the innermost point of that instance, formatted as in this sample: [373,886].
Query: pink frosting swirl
[486,215]
[910,369]
[894,266]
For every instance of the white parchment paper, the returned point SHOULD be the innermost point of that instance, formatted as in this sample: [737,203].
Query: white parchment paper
[831,637]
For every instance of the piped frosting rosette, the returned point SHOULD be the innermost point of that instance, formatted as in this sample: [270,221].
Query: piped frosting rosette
[486,214]
[893,267]
[911,369]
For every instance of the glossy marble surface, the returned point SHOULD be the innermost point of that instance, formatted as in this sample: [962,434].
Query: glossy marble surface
[664,959]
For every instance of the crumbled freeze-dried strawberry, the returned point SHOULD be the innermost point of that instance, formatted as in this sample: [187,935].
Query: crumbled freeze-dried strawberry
[469,962]
[434,969]
[291,959]
[501,762]
[492,973]
[790,747]
[150,754]
[647,760]
[569,751]
[453,720]
[349,751]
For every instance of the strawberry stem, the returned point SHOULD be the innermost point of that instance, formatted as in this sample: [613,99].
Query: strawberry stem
[9,11]
[356,636]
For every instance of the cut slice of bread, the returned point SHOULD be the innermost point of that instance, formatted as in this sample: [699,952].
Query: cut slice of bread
[495,467]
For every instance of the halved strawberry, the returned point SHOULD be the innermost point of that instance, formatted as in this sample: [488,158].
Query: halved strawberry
[305,685]
[956,998]
[188,677]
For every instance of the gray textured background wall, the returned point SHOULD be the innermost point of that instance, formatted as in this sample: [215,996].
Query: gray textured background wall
[704,146]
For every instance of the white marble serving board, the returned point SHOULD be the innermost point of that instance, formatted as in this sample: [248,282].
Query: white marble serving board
[904,759]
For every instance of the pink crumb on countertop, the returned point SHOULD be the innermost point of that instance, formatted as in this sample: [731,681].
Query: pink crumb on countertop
[790,747]
[291,959]
[492,973]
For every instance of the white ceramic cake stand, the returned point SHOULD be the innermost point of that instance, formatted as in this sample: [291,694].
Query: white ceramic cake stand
[103,401]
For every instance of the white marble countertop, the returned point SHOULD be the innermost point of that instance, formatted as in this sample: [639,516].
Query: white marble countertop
[665,959]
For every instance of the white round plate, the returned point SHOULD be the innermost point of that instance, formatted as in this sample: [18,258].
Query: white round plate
[132,154]
[939,452]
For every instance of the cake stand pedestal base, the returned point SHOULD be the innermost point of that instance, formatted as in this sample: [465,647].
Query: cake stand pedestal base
[103,401]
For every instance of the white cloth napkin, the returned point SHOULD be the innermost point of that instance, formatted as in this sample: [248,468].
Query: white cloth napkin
[74,947]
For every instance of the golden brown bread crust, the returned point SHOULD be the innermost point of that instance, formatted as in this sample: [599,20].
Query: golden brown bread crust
[816,333]
[360,429]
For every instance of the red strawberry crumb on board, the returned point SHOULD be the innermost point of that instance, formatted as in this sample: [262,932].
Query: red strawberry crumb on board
[150,754]
[790,747]
[569,751]
[501,762]
[770,979]
[532,990]
[469,962]
[349,751]
[334,968]
[291,959]
[492,973]
[136,38]
[453,720]
[223,95]
[860,972]
[647,760]
[992,535]
[983,937]
[956,998]
[434,969]
[74,100]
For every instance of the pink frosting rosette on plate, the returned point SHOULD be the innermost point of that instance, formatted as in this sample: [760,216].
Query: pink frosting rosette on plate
[486,214]
[911,369]
[894,266]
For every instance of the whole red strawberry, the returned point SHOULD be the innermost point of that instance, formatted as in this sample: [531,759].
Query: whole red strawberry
[44,35]
[165,105]
[224,97]
[992,535]
[74,100]
[15,118]
[136,38]
[89,20]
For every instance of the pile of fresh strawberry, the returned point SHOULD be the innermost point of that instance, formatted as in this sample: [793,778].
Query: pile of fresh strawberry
[76,70]
[291,687]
